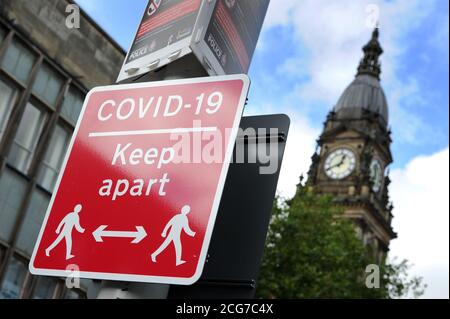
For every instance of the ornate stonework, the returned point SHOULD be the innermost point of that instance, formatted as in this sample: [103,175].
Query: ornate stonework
[354,153]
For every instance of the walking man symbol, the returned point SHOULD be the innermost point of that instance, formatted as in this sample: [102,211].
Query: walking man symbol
[177,224]
[65,228]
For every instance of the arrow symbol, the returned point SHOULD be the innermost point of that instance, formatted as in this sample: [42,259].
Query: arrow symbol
[138,235]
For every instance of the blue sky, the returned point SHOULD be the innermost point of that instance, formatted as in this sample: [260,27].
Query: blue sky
[308,53]
[424,66]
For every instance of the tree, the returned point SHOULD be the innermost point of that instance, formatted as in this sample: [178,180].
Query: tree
[313,252]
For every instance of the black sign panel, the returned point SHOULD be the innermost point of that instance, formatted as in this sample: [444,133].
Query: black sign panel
[165,22]
[233,32]
[238,241]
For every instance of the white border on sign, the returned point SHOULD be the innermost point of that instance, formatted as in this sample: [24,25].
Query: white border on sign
[209,229]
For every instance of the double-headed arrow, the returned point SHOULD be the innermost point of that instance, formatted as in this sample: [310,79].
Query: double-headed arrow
[138,235]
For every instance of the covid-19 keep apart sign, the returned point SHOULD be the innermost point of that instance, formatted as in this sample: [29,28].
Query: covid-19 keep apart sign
[141,184]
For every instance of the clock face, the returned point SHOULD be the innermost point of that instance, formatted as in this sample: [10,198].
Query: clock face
[376,175]
[340,164]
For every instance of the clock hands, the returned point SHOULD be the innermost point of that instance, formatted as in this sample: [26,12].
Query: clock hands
[338,164]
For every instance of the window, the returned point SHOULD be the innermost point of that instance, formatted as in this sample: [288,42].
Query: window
[14,280]
[33,221]
[48,84]
[2,253]
[18,61]
[7,98]
[45,288]
[72,105]
[27,137]
[2,35]
[54,157]
[12,191]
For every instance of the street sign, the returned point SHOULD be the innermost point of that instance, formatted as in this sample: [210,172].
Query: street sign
[232,34]
[142,182]
[221,34]
[165,28]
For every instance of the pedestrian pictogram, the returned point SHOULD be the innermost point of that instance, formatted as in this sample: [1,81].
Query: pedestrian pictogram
[172,234]
[65,228]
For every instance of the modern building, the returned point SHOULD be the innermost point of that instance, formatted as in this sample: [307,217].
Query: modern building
[46,68]
[354,154]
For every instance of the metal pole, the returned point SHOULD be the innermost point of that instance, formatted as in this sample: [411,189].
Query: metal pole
[128,290]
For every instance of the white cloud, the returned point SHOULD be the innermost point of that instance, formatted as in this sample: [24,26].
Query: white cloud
[299,147]
[421,218]
[297,158]
[330,34]
[279,12]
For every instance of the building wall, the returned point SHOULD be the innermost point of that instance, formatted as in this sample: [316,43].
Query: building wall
[87,53]
[46,70]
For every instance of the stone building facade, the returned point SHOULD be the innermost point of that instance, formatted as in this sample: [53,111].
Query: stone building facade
[46,69]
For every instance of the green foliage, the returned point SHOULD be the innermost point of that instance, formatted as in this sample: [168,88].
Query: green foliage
[398,284]
[313,252]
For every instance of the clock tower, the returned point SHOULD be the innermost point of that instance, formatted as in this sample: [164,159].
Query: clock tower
[354,153]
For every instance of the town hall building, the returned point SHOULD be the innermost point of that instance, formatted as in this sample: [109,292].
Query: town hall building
[355,154]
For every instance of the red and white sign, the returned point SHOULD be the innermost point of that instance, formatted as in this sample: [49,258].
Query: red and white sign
[142,182]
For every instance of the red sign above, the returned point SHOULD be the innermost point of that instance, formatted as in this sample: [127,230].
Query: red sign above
[142,181]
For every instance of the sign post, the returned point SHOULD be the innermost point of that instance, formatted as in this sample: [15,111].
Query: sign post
[142,181]
[220,34]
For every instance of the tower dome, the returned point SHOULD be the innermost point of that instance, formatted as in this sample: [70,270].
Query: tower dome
[365,92]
